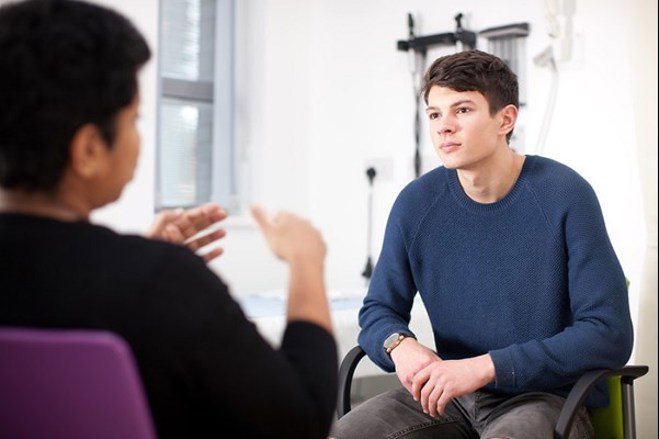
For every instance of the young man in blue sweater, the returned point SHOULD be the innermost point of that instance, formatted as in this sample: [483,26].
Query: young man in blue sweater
[511,257]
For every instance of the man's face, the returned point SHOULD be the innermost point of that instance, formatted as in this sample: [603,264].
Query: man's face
[461,129]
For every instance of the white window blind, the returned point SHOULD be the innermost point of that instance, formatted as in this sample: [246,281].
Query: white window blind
[195,154]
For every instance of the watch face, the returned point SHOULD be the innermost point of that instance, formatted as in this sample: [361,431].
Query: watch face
[393,338]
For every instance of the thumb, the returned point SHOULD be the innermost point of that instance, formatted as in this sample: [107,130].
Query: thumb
[168,216]
[172,233]
[260,217]
[161,221]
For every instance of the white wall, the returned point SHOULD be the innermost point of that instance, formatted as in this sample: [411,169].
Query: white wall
[134,211]
[322,92]
[641,25]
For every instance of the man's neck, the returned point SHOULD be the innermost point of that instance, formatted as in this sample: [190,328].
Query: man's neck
[490,183]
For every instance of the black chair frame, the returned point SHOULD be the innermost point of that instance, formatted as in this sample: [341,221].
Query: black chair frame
[574,400]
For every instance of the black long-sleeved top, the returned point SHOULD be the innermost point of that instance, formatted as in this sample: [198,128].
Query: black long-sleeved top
[205,368]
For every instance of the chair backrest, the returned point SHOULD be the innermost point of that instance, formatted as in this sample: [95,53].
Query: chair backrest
[70,384]
[617,420]
[608,421]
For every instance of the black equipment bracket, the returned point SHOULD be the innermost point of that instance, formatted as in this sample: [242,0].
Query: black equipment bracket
[421,44]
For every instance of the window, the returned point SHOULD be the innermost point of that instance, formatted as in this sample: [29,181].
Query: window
[195,152]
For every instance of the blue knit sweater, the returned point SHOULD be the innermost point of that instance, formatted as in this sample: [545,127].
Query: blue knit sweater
[532,279]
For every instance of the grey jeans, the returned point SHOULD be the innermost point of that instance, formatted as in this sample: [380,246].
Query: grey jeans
[395,414]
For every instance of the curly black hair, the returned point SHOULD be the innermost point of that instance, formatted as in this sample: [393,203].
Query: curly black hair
[63,64]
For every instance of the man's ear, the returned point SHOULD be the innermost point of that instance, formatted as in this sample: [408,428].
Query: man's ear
[88,151]
[508,118]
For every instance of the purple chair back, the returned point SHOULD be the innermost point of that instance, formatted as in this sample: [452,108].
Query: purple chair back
[70,384]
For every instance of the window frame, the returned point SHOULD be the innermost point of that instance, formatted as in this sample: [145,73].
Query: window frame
[220,94]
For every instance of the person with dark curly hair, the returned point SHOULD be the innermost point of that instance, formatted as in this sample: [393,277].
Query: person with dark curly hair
[69,144]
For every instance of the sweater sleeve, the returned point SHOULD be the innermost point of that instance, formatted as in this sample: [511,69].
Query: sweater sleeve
[312,353]
[388,302]
[228,373]
[599,333]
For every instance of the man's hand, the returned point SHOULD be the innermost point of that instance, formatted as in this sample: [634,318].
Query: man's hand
[441,381]
[409,357]
[189,227]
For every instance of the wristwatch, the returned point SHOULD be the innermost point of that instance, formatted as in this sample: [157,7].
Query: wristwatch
[391,342]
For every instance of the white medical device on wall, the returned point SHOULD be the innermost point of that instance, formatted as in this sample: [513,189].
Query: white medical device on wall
[559,28]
